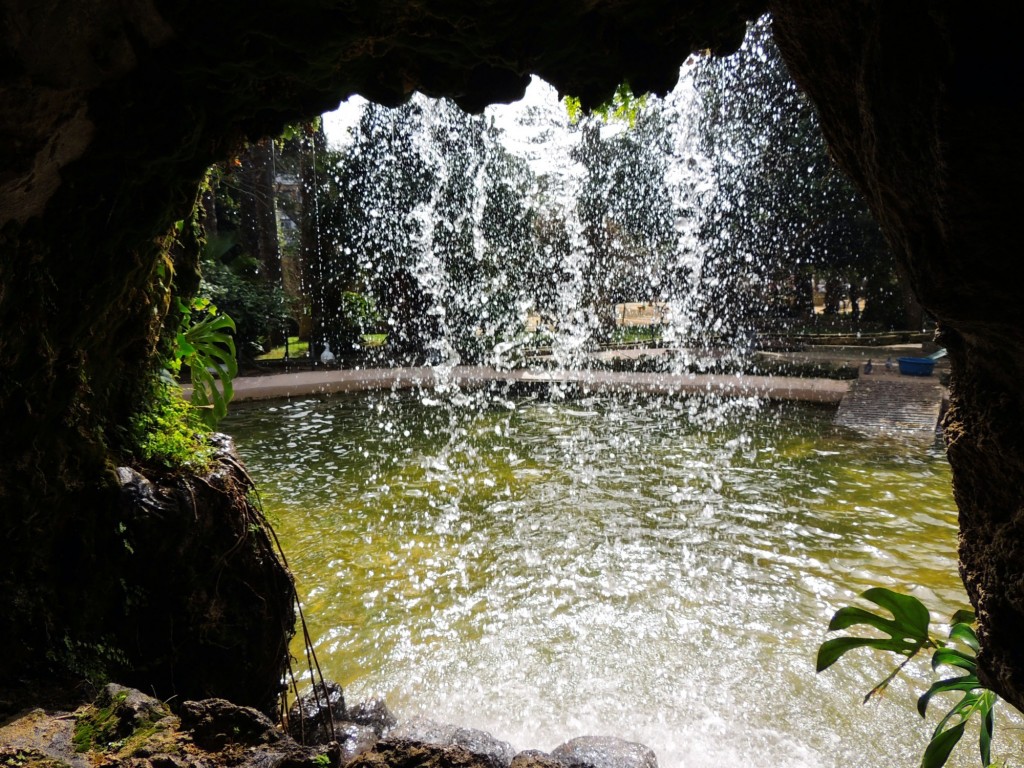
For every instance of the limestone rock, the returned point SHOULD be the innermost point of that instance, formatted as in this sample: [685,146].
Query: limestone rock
[133,708]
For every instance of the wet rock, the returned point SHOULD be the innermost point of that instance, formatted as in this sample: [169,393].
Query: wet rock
[373,714]
[534,758]
[140,494]
[354,739]
[214,723]
[497,753]
[604,752]
[310,716]
[483,743]
[423,729]
[413,754]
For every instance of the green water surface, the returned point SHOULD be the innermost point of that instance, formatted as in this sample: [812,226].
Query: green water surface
[658,569]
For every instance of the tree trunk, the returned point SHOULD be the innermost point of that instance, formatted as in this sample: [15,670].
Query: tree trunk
[854,299]
[833,296]
[314,265]
[258,231]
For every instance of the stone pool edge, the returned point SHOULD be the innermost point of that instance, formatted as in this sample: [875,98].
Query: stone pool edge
[323,382]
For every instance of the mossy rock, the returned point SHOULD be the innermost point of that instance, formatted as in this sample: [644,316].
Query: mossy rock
[28,758]
[124,721]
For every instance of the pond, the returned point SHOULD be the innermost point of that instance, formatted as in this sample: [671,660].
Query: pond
[658,569]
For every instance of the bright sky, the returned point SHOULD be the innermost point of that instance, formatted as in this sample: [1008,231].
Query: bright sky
[534,128]
[540,99]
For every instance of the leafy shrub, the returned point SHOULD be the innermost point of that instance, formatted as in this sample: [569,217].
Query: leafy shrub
[171,432]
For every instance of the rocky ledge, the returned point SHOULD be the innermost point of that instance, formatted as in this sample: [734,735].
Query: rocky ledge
[124,727]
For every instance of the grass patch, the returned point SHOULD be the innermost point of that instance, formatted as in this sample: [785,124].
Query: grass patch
[295,348]
[631,334]
[298,348]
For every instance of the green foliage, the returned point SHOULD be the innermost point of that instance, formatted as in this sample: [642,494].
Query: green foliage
[98,726]
[358,313]
[171,432]
[780,212]
[295,349]
[167,430]
[205,346]
[232,282]
[624,106]
[90,661]
[907,633]
[294,131]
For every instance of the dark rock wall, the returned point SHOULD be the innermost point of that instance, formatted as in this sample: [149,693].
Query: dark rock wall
[110,111]
[921,103]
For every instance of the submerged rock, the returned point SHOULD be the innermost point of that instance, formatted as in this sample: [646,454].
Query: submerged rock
[354,739]
[483,743]
[424,730]
[321,718]
[605,752]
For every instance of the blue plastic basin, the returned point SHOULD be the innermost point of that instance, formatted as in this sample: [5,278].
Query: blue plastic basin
[916,366]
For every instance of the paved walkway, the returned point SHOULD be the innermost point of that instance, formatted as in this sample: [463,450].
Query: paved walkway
[307,383]
[884,402]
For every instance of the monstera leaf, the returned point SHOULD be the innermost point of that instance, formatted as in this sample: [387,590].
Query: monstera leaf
[976,698]
[208,348]
[906,630]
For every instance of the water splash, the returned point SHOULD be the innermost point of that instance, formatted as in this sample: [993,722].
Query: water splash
[543,570]
[495,558]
